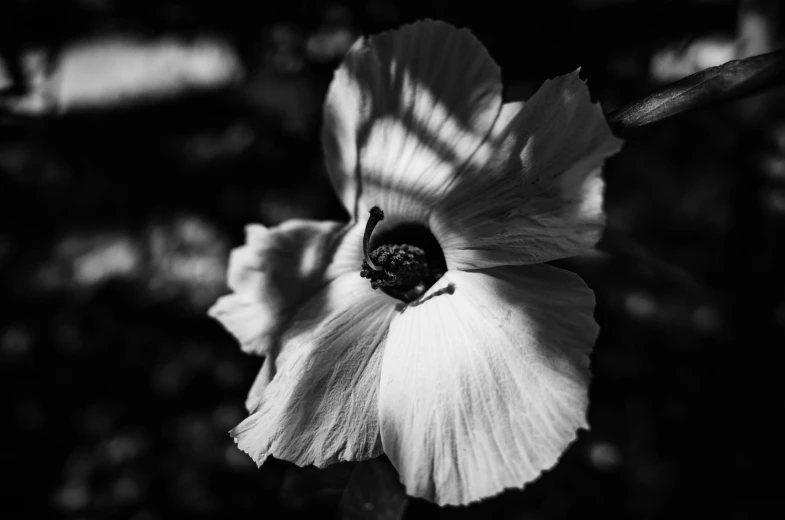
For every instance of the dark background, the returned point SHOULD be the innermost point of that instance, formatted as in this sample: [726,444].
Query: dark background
[115,226]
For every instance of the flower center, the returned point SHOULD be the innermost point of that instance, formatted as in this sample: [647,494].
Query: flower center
[404,262]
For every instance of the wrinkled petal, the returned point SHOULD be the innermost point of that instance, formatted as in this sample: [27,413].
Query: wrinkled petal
[263,378]
[484,380]
[406,112]
[321,405]
[540,199]
[277,270]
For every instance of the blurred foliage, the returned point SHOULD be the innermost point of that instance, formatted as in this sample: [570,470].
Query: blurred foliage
[116,225]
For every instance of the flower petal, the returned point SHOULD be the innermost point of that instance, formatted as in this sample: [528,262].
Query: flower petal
[484,380]
[541,198]
[279,268]
[263,378]
[321,405]
[248,320]
[406,111]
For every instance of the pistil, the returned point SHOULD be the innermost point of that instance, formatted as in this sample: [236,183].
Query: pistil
[377,215]
[401,270]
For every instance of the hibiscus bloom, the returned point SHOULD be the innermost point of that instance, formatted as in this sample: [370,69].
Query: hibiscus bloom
[428,327]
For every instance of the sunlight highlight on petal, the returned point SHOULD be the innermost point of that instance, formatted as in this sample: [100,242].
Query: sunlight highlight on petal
[428,95]
[484,380]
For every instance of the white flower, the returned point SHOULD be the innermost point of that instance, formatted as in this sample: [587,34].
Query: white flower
[479,383]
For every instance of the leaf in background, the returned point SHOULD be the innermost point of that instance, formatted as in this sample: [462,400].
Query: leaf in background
[374,492]
[731,81]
